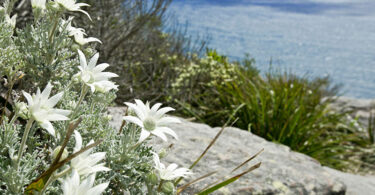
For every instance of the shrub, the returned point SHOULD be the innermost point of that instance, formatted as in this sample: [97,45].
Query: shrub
[280,107]
[143,43]
[36,130]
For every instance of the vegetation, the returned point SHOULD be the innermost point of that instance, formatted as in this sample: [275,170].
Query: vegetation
[156,60]
[280,107]
[49,54]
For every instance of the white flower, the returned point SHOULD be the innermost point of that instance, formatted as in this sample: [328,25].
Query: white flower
[11,20]
[151,120]
[86,163]
[38,4]
[81,40]
[73,186]
[71,5]
[171,172]
[93,76]
[77,33]
[41,108]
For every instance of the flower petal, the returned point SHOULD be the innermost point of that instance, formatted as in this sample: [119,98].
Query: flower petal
[168,120]
[99,189]
[159,134]
[82,59]
[48,126]
[156,107]
[144,135]
[51,102]
[134,120]
[168,131]
[78,138]
[93,61]
[28,98]
[164,110]
[46,92]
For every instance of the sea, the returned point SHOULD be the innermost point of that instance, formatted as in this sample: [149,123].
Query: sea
[310,38]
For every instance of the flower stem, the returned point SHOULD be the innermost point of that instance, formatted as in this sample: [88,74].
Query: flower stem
[160,185]
[52,32]
[81,97]
[53,178]
[24,138]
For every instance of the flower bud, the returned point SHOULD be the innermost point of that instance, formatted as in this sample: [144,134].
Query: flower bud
[131,112]
[162,153]
[22,110]
[109,117]
[2,11]
[11,21]
[38,4]
[56,152]
[152,178]
[168,187]
[72,104]
[75,47]
[51,5]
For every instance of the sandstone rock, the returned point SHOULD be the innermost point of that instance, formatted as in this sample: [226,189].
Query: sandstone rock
[360,108]
[282,171]
[356,184]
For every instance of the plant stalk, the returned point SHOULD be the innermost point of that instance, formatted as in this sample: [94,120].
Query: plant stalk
[23,142]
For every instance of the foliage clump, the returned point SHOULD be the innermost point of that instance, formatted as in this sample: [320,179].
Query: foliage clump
[55,131]
[279,107]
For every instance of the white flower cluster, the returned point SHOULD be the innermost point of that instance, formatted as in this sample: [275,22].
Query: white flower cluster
[153,121]
[41,108]
[79,176]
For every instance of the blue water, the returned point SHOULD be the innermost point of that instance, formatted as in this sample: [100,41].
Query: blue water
[307,37]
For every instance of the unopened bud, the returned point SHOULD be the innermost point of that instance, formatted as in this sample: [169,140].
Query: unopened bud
[54,6]
[22,110]
[162,153]
[75,47]
[108,117]
[168,187]
[2,11]
[64,155]
[131,112]
[152,178]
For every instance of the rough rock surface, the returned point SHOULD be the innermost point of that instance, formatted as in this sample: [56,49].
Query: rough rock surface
[282,171]
[356,184]
[361,107]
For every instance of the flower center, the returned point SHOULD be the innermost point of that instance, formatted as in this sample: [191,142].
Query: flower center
[149,124]
[88,77]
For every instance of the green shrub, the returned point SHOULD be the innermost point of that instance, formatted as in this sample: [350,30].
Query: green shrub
[195,85]
[280,107]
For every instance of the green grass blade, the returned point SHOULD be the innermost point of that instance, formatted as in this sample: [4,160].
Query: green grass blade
[228,181]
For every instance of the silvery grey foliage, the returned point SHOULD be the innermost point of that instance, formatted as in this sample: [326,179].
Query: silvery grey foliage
[38,64]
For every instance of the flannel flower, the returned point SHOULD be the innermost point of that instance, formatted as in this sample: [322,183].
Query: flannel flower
[151,120]
[79,33]
[72,5]
[38,4]
[93,76]
[11,21]
[41,108]
[73,186]
[86,163]
[171,172]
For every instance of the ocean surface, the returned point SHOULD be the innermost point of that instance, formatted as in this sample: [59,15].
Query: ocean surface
[307,37]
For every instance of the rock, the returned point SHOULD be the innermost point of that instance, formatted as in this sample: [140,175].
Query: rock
[282,171]
[360,108]
[356,184]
